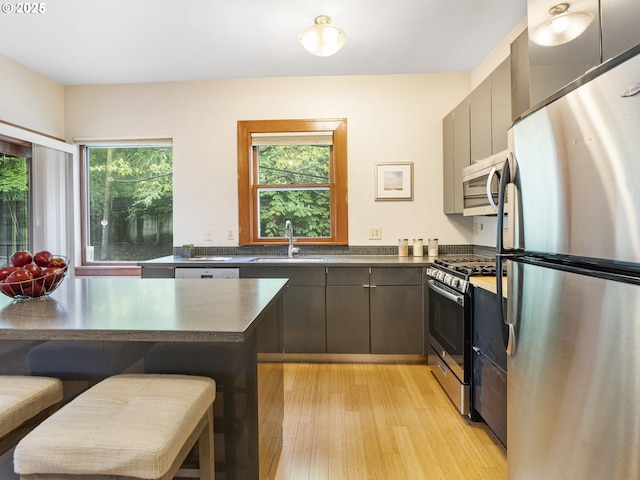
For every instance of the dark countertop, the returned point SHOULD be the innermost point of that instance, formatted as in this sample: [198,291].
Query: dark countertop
[224,310]
[302,260]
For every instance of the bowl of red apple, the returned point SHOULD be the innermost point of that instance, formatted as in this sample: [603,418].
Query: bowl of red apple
[32,276]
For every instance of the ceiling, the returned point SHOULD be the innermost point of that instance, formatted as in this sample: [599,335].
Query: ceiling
[84,42]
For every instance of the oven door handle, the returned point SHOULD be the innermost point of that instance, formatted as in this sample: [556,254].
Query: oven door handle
[459,299]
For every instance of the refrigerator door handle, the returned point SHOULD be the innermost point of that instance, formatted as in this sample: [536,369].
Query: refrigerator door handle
[508,175]
[492,172]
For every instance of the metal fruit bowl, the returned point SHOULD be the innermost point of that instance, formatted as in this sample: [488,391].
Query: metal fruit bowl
[38,287]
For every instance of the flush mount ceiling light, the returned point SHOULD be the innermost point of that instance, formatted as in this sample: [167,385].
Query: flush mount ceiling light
[322,38]
[562,27]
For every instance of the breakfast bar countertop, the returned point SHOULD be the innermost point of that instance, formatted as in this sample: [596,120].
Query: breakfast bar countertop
[177,310]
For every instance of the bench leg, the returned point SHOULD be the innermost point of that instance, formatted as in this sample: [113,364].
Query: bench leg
[205,450]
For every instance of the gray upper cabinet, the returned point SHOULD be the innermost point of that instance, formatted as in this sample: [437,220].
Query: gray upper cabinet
[500,106]
[474,130]
[520,101]
[490,113]
[456,155]
[620,26]
[448,199]
[480,121]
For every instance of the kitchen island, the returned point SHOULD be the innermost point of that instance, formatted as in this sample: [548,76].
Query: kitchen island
[92,328]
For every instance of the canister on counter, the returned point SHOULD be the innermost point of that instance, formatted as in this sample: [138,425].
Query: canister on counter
[433,247]
[403,247]
[418,247]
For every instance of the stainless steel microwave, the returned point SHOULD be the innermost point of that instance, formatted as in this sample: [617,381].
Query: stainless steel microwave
[480,184]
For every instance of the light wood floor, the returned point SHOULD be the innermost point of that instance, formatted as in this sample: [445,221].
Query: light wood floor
[379,421]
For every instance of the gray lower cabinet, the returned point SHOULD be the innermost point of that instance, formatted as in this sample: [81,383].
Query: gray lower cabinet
[157,272]
[304,329]
[374,310]
[348,310]
[397,319]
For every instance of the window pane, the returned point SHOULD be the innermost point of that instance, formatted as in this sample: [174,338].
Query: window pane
[293,164]
[309,209]
[130,202]
[14,205]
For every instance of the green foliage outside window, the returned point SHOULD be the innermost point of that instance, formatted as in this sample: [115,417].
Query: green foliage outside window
[294,185]
[130,202]
[14,205]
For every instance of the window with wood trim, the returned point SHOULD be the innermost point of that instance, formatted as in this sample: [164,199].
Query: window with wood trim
[293,170]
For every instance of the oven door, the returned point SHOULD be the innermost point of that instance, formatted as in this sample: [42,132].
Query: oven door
[449,328]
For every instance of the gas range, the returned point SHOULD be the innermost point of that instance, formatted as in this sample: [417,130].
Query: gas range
[455,272]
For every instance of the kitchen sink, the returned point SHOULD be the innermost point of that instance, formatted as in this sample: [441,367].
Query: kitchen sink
[288,259]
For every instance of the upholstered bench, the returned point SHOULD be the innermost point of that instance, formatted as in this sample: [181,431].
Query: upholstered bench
[24,402]
[127,426]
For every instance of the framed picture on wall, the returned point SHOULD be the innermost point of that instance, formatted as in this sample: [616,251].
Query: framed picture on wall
[394,181]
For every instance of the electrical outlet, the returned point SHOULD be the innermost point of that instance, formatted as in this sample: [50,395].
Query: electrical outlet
[230,235]
[375,233]
[208,234]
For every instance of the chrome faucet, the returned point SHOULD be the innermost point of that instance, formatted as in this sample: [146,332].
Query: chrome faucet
[288,235]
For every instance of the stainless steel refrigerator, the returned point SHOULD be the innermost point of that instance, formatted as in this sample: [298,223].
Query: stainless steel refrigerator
[574,282]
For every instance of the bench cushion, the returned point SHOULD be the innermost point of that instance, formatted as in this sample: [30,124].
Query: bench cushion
[23,397]
[130,425]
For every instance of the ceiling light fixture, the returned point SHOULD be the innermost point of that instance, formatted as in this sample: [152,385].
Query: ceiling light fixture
[562,27]
[322,39]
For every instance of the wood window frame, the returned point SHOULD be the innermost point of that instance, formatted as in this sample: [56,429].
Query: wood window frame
[248,223]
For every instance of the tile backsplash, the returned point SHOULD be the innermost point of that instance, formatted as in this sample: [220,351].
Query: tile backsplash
[279,250]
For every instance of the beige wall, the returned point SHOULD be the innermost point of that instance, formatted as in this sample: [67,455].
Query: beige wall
[29,100]
[391,118]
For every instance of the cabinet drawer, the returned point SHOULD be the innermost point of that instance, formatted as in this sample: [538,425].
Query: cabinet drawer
[309,276]
[348,276]
[396,276]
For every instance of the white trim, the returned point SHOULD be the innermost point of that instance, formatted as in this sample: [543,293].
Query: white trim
[99,141]
[38,139]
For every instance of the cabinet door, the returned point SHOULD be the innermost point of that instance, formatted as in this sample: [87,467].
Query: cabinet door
[520,75]
[489,330]
[448,198]
[347,318]
[397,320]
[620,30]
[303,305]
[500,106]
[553,67]
[480,121]
[461,151]
[304,320]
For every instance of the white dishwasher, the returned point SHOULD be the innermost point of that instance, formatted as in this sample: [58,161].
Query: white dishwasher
[185,272]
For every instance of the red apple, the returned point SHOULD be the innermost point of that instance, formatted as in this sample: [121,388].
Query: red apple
[20,259]
[6,271]
[6,288]
[51,276]
[57,262]
[15,279]
[35,270]
[34,288]
[42,258]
